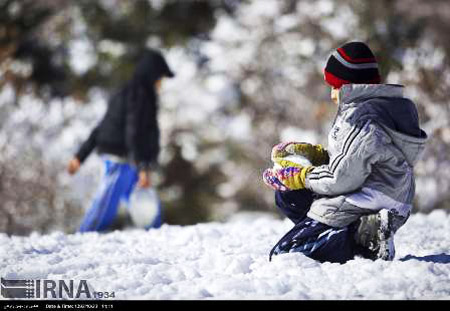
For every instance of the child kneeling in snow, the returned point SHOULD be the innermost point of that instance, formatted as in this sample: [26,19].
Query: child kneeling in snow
[356,194]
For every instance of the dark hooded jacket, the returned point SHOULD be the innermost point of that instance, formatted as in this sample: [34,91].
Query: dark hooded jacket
[129,128]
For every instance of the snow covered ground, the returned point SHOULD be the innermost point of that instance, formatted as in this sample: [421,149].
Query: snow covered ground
[230,261]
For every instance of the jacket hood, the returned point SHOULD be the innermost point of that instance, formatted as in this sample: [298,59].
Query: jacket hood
[151,67]
[386,105]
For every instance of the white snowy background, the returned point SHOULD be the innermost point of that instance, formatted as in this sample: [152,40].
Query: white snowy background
[230,261]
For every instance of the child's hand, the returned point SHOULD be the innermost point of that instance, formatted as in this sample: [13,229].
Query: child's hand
[270,179]
[282,149]
[316,154]
[286,178]
[73,166]
[293,178]
[144,179]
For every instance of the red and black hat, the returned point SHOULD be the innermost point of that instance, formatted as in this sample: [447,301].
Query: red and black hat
[352,63]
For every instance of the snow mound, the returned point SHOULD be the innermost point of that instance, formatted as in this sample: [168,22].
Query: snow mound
[230,261]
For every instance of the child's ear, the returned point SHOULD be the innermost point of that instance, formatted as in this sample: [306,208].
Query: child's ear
[335,95]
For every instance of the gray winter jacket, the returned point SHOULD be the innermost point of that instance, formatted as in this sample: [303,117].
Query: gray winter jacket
[373,145]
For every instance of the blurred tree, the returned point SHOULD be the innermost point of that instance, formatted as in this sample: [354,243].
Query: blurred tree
[40,43]
[26,59]
[39,34]
[267,55]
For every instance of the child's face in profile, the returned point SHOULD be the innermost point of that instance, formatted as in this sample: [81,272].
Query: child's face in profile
[335,95]
[158,85]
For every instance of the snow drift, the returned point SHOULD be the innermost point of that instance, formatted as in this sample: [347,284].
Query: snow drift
[230,261]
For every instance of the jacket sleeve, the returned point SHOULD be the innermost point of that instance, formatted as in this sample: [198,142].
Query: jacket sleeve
[89,145]
[155,144]
[348,168]
[142,140]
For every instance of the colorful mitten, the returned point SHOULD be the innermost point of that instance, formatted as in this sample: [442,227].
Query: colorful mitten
[293,178]
[272,181]
[316,154]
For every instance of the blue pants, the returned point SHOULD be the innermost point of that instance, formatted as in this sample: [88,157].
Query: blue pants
[117,185]
[312,238]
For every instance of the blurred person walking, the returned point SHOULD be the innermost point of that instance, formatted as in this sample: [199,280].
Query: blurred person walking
[352,198]
[127,138]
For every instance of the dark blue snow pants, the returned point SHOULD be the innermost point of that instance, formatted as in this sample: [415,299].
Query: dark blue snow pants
[310,237]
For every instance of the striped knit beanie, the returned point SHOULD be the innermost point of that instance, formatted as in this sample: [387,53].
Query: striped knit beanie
[352,63]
